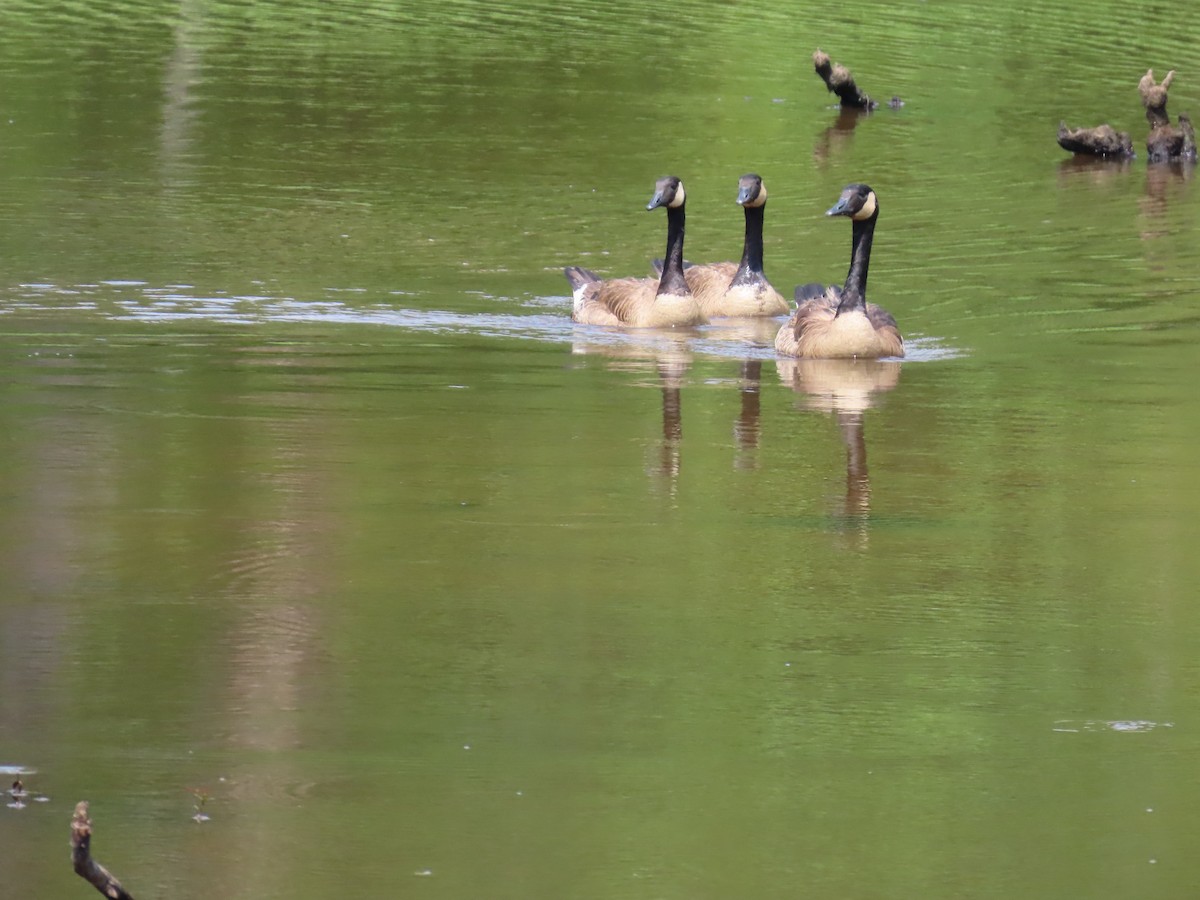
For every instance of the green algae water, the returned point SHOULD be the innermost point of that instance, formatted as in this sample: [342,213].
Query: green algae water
[319,518]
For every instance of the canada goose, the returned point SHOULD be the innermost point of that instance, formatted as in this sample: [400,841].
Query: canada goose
[642,302]
[833,323]
[733,289]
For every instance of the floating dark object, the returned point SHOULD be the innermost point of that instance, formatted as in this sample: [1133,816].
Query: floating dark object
[1103,140]
[839,81]
[1165,141]
[81,857]
[1154,97]
[18,794]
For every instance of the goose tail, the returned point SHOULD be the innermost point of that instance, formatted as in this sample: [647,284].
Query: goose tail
[577,277]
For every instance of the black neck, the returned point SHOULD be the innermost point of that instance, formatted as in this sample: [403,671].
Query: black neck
[672,281]
[746,428]
[751,268]
[854,293]
[858,479]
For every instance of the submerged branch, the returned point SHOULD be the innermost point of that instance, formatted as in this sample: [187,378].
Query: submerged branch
[1103,140]
[81,857]
[1165,141]
[1154,98]
[839,81]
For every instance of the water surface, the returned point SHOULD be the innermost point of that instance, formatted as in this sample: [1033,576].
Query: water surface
[316,502]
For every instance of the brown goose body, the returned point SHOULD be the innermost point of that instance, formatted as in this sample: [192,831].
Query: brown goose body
[665,302]
[739,289]
[629,302]
[832,323]
[718,295]
[817,331]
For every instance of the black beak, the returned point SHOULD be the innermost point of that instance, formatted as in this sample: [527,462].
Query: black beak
[656,201]
[745,195]
[841,208]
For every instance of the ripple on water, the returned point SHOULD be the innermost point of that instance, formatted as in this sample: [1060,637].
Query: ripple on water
[138,301]
[1139,726]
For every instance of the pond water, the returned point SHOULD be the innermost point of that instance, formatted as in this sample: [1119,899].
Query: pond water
[319,516]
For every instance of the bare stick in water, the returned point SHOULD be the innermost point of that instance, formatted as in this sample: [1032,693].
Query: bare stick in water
[81,857]
[839,81]
[1165,142]
[1103,140]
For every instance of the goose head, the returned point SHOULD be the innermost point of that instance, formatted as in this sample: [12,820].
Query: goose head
[858,202]
[751,191]
[668,192]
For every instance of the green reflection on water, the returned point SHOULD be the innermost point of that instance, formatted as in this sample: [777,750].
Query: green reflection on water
[422,596]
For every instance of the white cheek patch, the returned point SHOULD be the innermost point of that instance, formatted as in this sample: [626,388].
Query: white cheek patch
[678,199]
[761,199]
[868,209]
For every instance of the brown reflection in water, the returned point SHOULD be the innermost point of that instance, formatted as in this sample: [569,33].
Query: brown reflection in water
[746,428]
[183,71]
[1166,183]
[670,355]
[268,667]
[280,562]
[66,463]
[670,374]
[277,575]
[755,332]
[1094,169]
[847,388]
[838,134]
[234,526]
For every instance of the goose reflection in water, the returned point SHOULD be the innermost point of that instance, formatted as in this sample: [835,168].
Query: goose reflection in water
[847,388]
[669,354]
[758,333]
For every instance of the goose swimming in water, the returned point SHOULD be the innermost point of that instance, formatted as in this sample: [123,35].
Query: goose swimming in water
[642,302]
[840,323]
[739,289]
